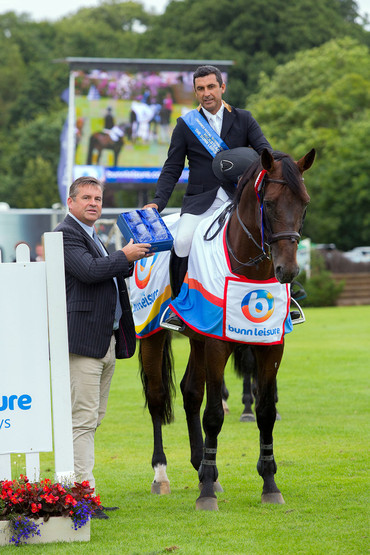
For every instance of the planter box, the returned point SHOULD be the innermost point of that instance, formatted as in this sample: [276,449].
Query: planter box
[56,529]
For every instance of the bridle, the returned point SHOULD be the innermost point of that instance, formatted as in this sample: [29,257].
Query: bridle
[267,237]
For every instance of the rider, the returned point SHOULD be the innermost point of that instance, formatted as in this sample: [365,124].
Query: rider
[109,119]
[205,193]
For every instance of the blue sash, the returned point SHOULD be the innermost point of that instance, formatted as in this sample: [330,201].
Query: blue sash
[204,132]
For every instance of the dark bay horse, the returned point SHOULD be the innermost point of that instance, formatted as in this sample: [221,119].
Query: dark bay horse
[263,228]
[102,140]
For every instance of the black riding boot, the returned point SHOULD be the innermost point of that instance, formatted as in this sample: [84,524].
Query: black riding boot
[178,269]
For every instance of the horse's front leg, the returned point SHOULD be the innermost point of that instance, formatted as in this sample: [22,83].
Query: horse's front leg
[216,355]
[192,388]
[156,374]
[268,361]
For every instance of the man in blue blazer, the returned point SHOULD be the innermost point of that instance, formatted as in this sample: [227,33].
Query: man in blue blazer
[205,193]
[100,323]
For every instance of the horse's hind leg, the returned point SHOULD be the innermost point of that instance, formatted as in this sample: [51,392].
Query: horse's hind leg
[245,367]
[225,396]
[268,361]
[156,373]
[247,399]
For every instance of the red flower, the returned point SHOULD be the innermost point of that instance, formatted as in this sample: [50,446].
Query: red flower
[71,500]
[35,508]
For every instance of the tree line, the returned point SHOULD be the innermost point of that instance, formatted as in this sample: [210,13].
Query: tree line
[301,67]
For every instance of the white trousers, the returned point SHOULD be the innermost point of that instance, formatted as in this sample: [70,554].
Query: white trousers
[90,384]
[189,222]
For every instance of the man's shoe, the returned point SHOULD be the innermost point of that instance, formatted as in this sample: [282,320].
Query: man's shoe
[99,513]
[172,322]
[109,508]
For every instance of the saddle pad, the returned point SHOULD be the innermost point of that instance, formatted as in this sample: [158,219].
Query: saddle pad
[216,302]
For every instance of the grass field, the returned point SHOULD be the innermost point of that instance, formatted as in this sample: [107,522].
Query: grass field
[321,449]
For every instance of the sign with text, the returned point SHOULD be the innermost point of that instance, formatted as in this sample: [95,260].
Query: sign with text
[25,403]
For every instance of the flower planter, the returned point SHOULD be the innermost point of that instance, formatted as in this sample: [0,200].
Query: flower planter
[56,529]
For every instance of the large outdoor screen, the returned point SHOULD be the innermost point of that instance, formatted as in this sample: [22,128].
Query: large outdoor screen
[124,122]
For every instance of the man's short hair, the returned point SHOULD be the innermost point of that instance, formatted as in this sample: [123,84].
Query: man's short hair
[203,71]
[81,182]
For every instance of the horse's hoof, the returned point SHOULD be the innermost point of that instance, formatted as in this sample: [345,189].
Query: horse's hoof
[278,417]
[225,407]
[247,417]
[160,488]
[217,488]
[206,504]
[273,498]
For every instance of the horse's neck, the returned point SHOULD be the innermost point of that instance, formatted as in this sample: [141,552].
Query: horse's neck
[243,247]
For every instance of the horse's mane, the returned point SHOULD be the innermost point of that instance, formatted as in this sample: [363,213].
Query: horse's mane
[291,175]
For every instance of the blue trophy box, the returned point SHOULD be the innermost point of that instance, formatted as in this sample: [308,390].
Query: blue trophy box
[145,226]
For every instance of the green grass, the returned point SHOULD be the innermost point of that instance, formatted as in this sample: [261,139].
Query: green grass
[321,449]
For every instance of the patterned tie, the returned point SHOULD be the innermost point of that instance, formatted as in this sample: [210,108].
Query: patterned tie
[118,312]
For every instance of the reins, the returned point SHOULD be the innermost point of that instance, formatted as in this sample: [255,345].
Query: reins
[266,230]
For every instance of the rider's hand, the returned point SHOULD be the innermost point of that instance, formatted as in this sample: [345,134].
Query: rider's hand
[135,251]
[151,205]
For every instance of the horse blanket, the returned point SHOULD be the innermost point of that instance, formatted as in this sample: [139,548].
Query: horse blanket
[213,300]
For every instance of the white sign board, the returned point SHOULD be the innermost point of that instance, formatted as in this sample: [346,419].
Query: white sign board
[25,405]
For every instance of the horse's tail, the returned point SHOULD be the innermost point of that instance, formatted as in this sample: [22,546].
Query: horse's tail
[168,381]
[90,151]
[244,361]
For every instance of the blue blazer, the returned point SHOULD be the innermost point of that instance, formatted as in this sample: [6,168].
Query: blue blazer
[239,129]
[91,295]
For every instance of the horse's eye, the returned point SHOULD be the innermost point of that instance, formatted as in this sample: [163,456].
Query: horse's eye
[269,205]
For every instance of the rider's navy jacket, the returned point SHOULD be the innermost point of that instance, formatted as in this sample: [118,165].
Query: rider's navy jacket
[239,129]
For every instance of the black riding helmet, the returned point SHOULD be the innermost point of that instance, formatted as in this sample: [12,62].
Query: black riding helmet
[229,165]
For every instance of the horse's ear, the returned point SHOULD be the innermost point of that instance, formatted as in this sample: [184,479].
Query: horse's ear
[306,162]
[267,160]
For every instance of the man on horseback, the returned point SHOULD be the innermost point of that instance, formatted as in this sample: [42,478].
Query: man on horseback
[212,127]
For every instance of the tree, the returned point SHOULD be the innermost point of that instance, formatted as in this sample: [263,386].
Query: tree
[256,35]
[321,99]
[33,159]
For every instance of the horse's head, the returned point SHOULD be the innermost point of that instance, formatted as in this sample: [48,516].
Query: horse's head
[283,199]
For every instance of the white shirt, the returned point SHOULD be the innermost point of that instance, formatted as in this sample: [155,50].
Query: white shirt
[215,120]
[88,228]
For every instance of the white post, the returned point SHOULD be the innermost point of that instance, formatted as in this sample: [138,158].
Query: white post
[59,356]
[33,466]
[71,130]
[5,467]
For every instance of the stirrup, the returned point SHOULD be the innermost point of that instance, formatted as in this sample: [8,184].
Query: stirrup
[301,317]
[168,325]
